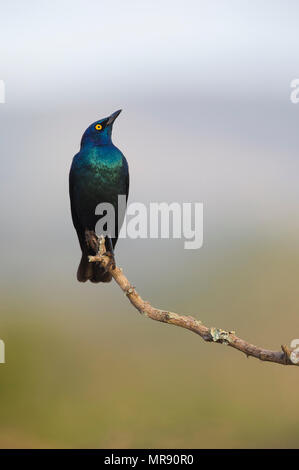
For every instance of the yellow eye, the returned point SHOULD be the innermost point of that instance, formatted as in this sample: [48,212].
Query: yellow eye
[98,127]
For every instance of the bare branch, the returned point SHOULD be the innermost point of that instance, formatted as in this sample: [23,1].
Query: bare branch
[215,335]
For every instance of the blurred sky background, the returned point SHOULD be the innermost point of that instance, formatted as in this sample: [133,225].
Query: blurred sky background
[205,92]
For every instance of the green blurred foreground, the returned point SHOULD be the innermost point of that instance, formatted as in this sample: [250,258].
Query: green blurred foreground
[80,377]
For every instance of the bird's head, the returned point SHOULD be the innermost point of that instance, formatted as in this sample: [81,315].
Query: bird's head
[99,133]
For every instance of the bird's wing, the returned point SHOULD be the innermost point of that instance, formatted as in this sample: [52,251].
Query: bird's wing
[127,186]
[76,222]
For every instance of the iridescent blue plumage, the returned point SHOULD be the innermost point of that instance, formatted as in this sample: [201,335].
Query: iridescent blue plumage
[99,174]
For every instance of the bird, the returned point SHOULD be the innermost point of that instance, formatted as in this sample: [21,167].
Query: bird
[99,173]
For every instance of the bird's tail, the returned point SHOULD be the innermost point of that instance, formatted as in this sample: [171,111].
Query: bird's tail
[93,272]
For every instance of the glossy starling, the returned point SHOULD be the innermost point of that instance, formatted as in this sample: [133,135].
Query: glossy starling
[99,174]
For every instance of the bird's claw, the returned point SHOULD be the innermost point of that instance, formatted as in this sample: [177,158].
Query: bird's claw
[111,263]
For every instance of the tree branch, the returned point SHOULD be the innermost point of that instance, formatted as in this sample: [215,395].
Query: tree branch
[216,335]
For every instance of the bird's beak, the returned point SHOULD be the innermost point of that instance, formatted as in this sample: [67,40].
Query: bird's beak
[113,116]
